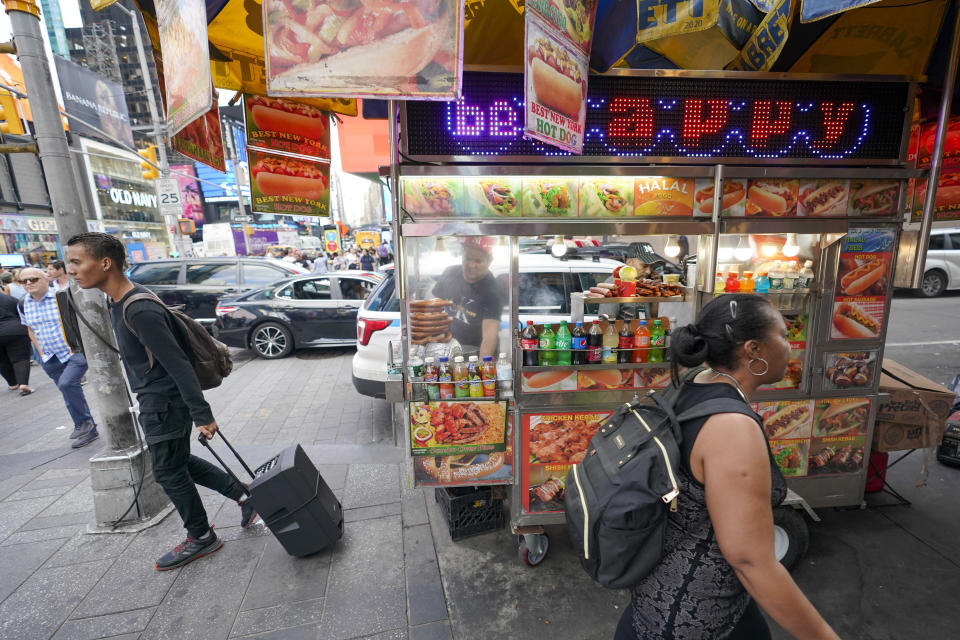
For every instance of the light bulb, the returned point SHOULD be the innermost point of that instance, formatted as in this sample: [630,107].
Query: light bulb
[559,248]
[440,246]
[768,250]
[672,248]
[743,252]
[791,248]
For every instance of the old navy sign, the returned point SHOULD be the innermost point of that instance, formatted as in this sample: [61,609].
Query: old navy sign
[695,119]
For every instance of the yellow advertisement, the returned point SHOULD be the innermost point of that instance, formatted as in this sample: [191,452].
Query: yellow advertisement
[890,37]
[767,41]
[663,18]
[367,239]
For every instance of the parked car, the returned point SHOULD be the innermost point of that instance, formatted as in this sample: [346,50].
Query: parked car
[197,283]
[942,270]
[317,310]
[544,291]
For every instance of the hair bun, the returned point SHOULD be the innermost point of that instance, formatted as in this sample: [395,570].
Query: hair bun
[689,347]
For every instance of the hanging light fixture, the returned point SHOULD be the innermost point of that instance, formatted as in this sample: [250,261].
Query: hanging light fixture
[791,248]
[743,252]
[672,248]
[724,252]
[559,247]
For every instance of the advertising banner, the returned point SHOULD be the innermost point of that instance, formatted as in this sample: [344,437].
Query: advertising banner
[849,369]
[202,140]
[457,427]
[557,52]
[218,240]
[563,379]
[287,126]
[284,184]
[331,240]
[97,100]
[947,201]
[797,337]
[862,279]
[186,61]
[332,48]
[189,188]
[551,443]
[467,468]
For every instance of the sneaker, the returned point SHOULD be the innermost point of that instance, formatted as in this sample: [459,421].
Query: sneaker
[248,515]
[82,430]
[85,439]
[188,551]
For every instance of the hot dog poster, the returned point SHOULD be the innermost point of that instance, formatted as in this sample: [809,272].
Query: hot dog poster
[823,198]
[287,126]
[772,198]
[467,468]
[410,50]
[550,444]
[732,201]
[563,379]
[946,204]
[557,43]
[188,85]
[288,185]
[457,427]
[202,140]
[862,281]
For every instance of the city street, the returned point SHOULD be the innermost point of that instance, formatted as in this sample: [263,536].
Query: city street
[924,336]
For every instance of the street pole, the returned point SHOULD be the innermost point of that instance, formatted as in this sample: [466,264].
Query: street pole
[115,471]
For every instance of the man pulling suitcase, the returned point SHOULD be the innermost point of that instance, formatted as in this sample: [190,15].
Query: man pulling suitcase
[170,396]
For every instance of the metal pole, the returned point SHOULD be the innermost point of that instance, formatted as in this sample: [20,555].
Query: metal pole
[709,279]
[108,386]
[936,159]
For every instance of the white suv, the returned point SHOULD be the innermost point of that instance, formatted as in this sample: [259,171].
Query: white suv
[545,287]
[942,270]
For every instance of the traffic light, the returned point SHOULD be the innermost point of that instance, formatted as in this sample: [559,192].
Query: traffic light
[147,169]
[187,227]
[9,115]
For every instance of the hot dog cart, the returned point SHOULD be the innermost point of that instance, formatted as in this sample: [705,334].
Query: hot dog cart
[766,172]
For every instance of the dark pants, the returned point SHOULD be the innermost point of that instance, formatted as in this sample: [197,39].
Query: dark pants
[179,472]
[15,360]
[67,376]
[752,625]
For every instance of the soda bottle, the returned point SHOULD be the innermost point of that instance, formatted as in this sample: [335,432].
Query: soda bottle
[548,344]
[732,285]
[746,283]
[528,342]
[564,343]
[610,342]
[461,380]
[641,342]
[625,344]
[595,343]
[473,375]
[488,374]
[431,377]
[658,341]
[445,378]
[578,342]
[505,375]
[763,283]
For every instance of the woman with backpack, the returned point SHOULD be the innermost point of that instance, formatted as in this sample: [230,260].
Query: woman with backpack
[718,561]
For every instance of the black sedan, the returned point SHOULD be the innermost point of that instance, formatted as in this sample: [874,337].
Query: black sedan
[318,310]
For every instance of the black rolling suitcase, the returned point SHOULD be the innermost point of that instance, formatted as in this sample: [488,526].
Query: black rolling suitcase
[290,495]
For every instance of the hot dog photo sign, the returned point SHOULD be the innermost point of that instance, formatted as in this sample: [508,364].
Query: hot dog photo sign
[862,282]
[287,126]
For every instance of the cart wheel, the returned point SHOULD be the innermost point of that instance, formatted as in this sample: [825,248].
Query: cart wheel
[533,548]
[791,537]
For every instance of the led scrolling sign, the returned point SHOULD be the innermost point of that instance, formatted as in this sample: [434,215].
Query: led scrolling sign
[693,119]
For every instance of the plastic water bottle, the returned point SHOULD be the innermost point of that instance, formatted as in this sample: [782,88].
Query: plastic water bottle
[505,376]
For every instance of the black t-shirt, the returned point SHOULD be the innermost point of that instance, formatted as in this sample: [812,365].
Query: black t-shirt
[9,318]
[472,304]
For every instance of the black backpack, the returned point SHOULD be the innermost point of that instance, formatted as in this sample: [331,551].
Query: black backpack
[210,358]
[616,498]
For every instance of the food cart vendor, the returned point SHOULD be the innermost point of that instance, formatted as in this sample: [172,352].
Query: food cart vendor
[477,301]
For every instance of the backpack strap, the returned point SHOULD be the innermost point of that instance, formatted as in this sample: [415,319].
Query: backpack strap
[76,310]
[135,298]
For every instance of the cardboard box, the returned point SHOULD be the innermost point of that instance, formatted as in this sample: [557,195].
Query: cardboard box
[916,413]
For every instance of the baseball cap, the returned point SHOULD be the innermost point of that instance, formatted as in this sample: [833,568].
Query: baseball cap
[483,243]
[643,251]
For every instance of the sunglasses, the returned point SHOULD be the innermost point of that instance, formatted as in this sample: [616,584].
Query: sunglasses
[29,280]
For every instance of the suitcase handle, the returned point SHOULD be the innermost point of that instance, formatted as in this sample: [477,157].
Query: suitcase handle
[203,440]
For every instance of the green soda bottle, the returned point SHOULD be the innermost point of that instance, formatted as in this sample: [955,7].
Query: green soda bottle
[563,342]
[658,342]
[548,342]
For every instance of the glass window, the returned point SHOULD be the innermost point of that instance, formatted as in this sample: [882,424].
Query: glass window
[954,241]
[543,293]
[588,280]
[938,242]
[286,293]
[355,288]
[258,275]
[318,289]
[383,298]
[215,274]
[164,273]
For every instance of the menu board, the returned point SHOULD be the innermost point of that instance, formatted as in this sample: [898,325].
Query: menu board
[557,41]
[287,126]
[550,444]
[202,140]
[797,336]
[862,281]
[849,369]
[457,427]
[466,468]
[816,437]
[774,198]
[286,184]
[566,379]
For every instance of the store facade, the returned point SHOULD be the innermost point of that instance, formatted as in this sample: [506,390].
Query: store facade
[28,232]
[124,202]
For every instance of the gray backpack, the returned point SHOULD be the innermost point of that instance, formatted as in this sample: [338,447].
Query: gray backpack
[616,498]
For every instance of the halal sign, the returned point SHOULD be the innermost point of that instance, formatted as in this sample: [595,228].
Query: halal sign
[695,119]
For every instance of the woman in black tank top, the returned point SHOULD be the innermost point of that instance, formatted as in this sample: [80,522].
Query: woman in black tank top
[718,550]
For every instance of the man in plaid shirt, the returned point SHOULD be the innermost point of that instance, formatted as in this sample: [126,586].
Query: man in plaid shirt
[54,332]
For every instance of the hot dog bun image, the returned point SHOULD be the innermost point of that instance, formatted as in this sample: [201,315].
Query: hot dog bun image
[824,199]
[772,197]
[550,381]
[281,176]
[792,421]
[875,198]
[557,79]
[270,114]
[862,277]
[733,194]
[850,320]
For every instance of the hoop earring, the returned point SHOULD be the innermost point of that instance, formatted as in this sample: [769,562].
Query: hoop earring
[766,367]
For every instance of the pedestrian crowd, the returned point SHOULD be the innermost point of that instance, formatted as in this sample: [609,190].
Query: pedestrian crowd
[353,258]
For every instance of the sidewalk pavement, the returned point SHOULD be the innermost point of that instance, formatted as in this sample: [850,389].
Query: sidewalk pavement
[889,572]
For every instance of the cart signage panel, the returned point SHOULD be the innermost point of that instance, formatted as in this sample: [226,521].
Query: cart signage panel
[687,119]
